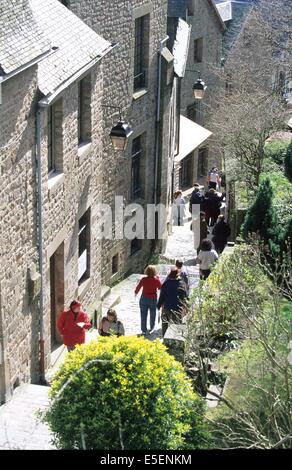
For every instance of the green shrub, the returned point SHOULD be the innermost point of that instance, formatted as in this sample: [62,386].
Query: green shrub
[288,163]
[124,393]
[261,218]
[235,281]
[276,151]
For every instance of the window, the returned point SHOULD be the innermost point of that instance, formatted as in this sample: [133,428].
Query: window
[192,112]
[51,153]
[136,245]
[55,137]
[186,171]
[84,247]
[141,51]
[190,8]
[137,153]
[115,264]
[203,161]
[198,50]
[228,85]
[84,110]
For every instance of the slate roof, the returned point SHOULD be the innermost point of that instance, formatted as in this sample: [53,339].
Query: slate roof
[240,10]
[77,44]
[21,40]
[177,8]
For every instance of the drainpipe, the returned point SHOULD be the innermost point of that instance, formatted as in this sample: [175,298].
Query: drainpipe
[161,46]
[40,244]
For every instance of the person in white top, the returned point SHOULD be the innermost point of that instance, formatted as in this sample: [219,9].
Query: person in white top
[214,178]
[206,258]
[179,208]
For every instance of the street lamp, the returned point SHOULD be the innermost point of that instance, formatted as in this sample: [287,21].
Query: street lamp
[199,86]
[121,132]
[199,89]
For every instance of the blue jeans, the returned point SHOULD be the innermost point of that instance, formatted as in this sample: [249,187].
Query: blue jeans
[147,304]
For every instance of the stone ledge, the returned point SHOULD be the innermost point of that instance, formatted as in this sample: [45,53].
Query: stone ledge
[138,94]
[83,150]
[82,289]
[55,180]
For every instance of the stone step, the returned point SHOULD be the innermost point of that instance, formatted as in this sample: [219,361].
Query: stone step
[20,426]
[105,292]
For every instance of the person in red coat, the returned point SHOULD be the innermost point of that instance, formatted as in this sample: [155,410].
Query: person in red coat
[72,324]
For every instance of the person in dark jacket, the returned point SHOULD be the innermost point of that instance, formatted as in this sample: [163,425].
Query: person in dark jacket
[172,300]
[214,204]
[221,232]
[183,274]
[203,230]
[196,198]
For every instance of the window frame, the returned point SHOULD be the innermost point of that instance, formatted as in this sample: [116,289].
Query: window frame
[51,128]
[198,50]
[84,231]
[141,52]
[136,166]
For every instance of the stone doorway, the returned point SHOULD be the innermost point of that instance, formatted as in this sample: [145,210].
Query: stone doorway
[57,293]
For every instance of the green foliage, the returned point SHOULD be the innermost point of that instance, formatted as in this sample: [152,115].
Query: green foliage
[276,151]
[259,398]
[261,218]
[125,392]
[233,282]
[282,191]
[288,163]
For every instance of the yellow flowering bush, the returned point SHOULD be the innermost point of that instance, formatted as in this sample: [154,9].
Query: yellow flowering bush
[124,393]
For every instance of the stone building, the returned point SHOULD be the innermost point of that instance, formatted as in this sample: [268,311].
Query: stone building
[203,56]
[64,68]
[51,152]
[138,79]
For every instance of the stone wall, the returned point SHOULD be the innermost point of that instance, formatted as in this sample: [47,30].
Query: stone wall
[18,244]
[69,195]
[86,175]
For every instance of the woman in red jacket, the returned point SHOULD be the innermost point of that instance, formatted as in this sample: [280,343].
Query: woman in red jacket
[72,324]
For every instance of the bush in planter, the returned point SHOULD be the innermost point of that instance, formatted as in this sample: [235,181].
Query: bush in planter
[125,392]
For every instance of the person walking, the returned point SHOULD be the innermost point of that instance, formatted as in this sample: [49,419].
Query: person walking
[183,274]
[221,232]
[110,325]
[203,230]
[214,204]
[213,178]
[172,300]
[179,208]
[206,208]
[149,284]
[72,324]
[196,198]
[206,258]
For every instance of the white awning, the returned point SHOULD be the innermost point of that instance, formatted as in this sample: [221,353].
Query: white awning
[191,137]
